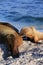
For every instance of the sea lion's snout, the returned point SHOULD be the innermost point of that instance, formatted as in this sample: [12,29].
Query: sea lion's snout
[15,56]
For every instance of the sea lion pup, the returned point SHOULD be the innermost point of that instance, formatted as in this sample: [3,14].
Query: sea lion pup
[31,33]
[9,35]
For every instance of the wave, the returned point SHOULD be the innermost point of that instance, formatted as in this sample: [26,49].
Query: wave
[30,17]
[16,16]
[37,18]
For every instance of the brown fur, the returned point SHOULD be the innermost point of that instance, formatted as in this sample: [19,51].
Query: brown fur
[9,25]
[9,35]
[32,33]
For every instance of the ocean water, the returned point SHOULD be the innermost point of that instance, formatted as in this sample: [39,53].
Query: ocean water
[22,13]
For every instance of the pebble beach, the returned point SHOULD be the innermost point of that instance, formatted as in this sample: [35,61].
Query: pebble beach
[30,53]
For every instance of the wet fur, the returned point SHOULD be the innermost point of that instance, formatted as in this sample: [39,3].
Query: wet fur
[10,35]
[9,25]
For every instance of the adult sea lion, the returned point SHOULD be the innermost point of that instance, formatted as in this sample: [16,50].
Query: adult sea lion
[9,35]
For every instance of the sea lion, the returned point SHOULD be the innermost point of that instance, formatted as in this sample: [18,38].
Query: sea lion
[31,33]
[10,35]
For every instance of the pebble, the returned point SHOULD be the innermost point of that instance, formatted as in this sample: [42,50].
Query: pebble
[28,58]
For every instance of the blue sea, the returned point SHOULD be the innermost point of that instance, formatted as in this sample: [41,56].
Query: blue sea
[21,13]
